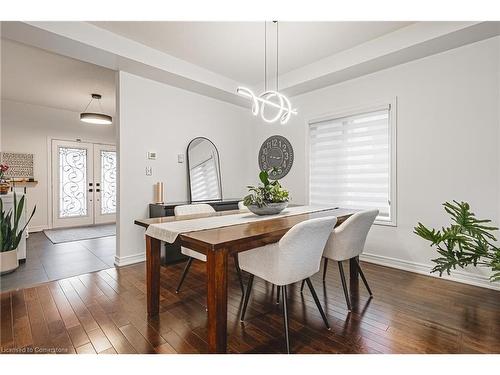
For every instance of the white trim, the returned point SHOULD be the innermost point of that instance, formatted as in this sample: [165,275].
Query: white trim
[391,105]
[38,228]
[425,269]
[130,259]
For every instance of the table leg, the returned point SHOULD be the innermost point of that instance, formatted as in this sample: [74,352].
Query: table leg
[353,275]
[153,247]
[217,300]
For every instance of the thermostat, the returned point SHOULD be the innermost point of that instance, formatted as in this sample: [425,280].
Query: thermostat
[151,155]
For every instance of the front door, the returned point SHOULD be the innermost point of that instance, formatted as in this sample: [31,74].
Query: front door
[83,183]
[104,184]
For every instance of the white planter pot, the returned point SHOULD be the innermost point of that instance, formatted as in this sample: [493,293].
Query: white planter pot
[8,261]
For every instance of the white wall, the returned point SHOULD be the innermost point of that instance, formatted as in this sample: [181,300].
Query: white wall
[447,144]
[157,117]
[27,127]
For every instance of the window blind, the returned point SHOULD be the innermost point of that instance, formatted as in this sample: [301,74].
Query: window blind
[349,162]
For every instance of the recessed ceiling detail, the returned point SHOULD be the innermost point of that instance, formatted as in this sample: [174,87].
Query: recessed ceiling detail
[234,49]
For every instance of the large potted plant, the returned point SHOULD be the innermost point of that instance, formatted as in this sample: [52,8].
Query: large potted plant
[467,241]
[11,234]
[266,199]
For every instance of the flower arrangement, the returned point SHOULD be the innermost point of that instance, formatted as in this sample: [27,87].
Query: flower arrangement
[4,185]
[3,168]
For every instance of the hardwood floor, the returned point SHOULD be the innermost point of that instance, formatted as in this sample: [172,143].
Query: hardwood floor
[105,312]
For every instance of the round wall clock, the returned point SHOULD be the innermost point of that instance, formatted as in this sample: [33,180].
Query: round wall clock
[276,152]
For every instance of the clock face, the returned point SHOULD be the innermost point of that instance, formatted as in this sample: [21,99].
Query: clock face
[276,152]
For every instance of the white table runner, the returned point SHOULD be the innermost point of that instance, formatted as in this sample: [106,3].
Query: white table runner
[168,232]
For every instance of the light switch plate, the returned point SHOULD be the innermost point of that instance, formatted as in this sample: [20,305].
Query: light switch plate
[180,158]
[149,171]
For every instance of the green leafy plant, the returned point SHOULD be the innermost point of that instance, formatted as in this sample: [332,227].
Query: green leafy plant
[10,233]
[467,241]
[268,192]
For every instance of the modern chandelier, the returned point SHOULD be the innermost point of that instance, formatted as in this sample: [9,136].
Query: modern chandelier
[95,117]
[270,98]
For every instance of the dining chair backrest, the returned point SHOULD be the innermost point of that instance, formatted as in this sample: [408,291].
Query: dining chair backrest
[348,239]
[301,248]
[242,207]
[193,209]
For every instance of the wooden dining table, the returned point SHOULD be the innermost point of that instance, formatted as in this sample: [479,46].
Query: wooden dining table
[218,245]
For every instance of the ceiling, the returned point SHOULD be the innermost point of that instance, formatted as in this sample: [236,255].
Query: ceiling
[236,49]
[232,49]
[35,76]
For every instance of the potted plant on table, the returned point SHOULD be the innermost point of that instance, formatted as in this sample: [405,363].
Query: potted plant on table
[266,199]
[11,234]
[4,185]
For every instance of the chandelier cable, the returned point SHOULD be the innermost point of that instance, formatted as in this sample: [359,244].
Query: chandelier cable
[265,56]
[88,105]
[277,57]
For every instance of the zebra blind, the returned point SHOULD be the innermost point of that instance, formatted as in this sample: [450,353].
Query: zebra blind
[350,162]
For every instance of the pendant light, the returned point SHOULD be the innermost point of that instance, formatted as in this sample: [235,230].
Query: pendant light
[98,118]
[270,98]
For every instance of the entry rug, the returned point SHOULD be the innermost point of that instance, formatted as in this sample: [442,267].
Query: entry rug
[80,233]
[168,232]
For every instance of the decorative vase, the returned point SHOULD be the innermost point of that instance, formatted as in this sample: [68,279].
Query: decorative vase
[4,187]
[8,261]
[268,209]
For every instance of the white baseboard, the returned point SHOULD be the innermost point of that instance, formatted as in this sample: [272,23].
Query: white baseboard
[130,259]
[425,269]
[38,228]
[420,268]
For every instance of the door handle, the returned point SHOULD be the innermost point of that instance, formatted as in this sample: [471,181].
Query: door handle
[97,190]
[90,190]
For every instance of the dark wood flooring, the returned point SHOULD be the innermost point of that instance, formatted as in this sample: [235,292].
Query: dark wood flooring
[105,312]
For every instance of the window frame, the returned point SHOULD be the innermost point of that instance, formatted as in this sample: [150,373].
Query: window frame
[391,104]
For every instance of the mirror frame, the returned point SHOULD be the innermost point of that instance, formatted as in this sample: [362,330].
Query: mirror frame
[189,171]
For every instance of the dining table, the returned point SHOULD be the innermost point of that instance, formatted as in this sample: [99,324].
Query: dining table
[218,245]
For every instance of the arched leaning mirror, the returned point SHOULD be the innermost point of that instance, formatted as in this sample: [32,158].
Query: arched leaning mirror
[203,171]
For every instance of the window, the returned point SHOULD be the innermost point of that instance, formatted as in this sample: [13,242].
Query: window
[351,162]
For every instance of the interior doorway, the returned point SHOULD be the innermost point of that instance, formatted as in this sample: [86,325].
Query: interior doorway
[83,183]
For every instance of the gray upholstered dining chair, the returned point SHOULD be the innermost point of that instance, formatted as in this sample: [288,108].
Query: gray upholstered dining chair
[297,256]
[193,209]
[347,241]
[242,207]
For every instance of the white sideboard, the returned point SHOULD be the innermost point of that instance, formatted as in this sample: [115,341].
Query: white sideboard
[8,204]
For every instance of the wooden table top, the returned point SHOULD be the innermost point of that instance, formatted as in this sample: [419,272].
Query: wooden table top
[242,236]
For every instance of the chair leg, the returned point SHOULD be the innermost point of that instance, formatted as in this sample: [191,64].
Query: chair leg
[238,271]
[278,291]
[247,297]
[302,286]
[184,273]
[285,318]
[315,296]
[325,266]
[344,285]
[363,278]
